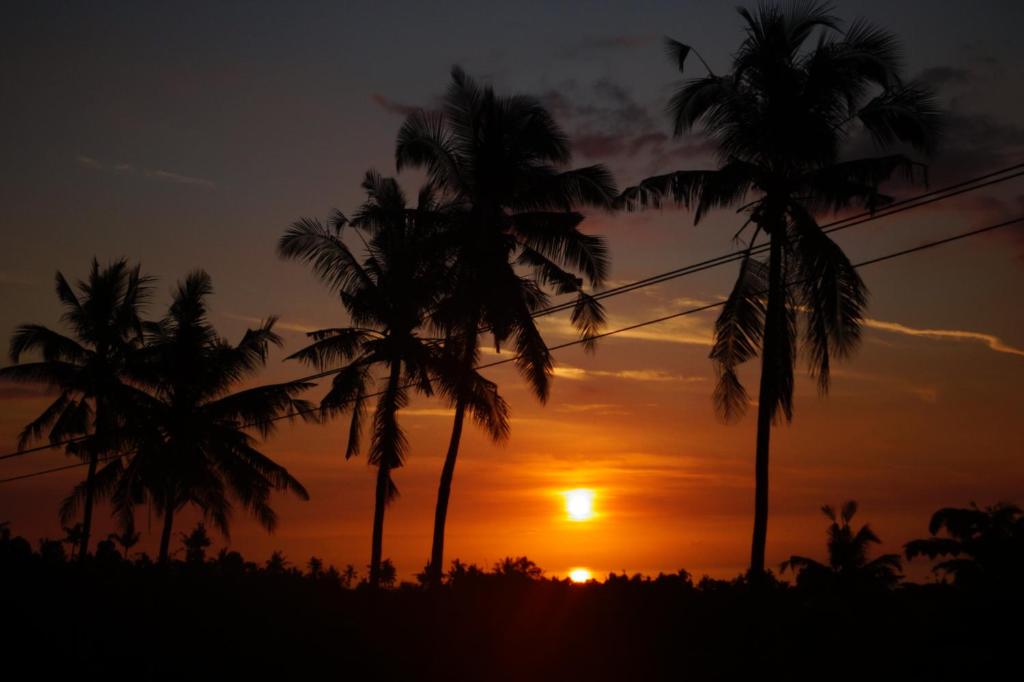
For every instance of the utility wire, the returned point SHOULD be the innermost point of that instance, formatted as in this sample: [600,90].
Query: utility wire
[970,185]
[592,337]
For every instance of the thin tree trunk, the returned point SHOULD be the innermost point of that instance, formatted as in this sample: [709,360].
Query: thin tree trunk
[444,491]
[83,544]
[383,476]
[380,501]
[767,401]
[165,536]
[95,445]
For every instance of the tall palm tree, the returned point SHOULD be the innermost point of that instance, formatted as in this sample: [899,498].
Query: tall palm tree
[501,165]
[848,568]
[193,445]
[782,120]
[88,368]
[387,296]
[985,547]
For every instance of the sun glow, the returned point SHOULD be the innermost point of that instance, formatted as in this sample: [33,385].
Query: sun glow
[579,504]
[580,575]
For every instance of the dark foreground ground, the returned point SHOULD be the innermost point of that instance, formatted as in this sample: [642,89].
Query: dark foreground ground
[215,621]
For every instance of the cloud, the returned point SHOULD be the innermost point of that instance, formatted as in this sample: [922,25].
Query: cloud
[428,412]
[651,375]
[12,391]
[280,325]
[391,106]
[993,342]
[691,330]
[123,168]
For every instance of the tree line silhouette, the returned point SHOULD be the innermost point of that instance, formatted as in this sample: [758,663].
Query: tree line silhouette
[153,406]
[221,615]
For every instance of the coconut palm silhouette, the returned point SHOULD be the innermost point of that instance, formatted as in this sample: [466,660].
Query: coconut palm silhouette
[500,165]
[387,296]
[193,445]
[985,546]
[848,568]
[781,121]
[88,369]
[126,538]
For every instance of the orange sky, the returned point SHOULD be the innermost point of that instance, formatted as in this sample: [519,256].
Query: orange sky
[926,414]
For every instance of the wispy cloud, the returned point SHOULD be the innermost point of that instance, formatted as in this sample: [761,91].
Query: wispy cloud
[280,325]
[655,375]
[156,174]
[993,342]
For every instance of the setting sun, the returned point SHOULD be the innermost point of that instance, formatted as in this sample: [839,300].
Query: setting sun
[579,504]
[580,575]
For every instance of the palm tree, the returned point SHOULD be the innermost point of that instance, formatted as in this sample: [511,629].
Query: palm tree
[127,538]
[193,446]
[781,121]
[848,568]
[87,368]
[500,164]
[986,546]
[387,296]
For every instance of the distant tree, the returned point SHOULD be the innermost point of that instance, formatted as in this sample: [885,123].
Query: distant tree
[848,568]
[388,574]
[518,568]
[194,445]
[799,90]
[986,546]
[52,551]
[501,163]
[231,562]
[196,542]
[106,553]
[73,538]
[88,369]
[277,564]
[349,576]
[315,566]
[126,538]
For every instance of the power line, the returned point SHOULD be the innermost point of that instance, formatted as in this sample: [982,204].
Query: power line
[894,208]
[924,199]
[592,337]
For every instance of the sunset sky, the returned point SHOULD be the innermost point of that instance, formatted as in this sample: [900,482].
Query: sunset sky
[190,135]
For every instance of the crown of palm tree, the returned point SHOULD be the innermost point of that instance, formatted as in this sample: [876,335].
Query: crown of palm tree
[781,121]
[848,564]
[499,164]
[88,369]
[191,441]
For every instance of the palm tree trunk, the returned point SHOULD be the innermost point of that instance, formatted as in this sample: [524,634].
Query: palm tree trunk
[444,491]
[767,401]
[165,536]
[383,480]
[380,501]
[83,544]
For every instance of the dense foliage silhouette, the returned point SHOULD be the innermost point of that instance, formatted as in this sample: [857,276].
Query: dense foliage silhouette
[387,296]
[88,369]
[191,444]
[499,164]
[225,616]
[848,569]
[801,92]
[985,546]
